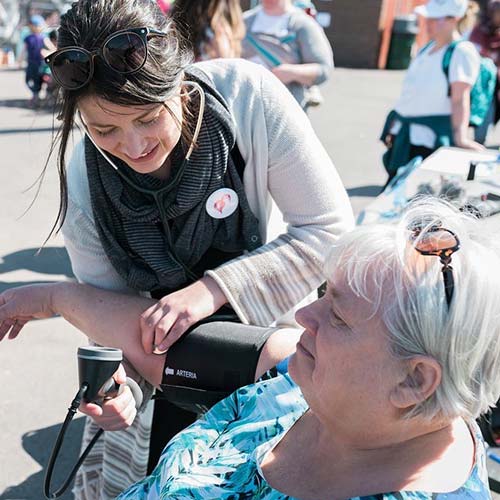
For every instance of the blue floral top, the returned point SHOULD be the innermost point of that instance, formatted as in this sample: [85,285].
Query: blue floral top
[218,457]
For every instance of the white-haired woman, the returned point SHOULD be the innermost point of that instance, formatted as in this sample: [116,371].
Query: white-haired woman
[396,362]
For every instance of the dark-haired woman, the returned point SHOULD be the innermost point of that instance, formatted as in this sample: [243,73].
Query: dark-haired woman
[171,190]
[486,37]
[213,28]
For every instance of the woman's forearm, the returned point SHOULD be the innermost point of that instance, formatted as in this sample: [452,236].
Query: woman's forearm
[110,319]
[460,112]
[460,116]
[305,74]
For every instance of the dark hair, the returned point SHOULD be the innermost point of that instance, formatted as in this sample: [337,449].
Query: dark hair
[87,24]
[487,18]
[194,17]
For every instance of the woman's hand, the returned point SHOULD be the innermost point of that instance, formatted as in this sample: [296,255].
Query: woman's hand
[305,74]
[469,144]
[389,140]
[285,73]
[116,413]
[22,304]
[165,322]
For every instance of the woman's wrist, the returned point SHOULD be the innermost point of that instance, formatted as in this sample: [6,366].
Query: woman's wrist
[459,137]
[59,294]
[211,286]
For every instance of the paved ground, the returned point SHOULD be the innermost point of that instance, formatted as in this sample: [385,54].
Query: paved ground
[38,372]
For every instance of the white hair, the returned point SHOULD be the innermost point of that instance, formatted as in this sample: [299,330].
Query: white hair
[381,265]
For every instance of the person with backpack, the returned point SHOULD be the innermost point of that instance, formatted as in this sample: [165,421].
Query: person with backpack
[434,108]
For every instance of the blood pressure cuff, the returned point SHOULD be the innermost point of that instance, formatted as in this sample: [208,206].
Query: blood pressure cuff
[210,362]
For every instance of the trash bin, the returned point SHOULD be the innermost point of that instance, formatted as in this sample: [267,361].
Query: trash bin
[404,31]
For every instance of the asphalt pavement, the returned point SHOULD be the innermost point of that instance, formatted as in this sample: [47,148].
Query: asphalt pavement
[38,371]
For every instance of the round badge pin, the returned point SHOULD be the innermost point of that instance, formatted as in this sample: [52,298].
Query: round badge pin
[222,203]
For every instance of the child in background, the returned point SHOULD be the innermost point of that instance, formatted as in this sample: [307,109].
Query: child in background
[49,46]
[33,45]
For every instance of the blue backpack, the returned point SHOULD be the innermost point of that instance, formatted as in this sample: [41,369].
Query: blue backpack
[482,92]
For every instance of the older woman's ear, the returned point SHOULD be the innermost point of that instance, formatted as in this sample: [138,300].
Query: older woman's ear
[422,378]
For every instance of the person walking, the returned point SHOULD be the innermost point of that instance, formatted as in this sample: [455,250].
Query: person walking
[33,45]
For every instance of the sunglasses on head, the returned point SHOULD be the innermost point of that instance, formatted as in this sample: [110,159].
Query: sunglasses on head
[124,51]
[441,243]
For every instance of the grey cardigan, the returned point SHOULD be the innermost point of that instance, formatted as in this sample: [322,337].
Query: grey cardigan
[308,44]
[292,188]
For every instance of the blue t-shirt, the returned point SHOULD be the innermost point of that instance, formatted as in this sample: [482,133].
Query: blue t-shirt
[34,45]
[219,456]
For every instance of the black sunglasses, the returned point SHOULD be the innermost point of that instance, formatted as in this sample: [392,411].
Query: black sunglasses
[441,243]
[124,51]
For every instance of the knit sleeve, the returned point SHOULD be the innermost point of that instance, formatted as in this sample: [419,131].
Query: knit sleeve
[89,262]
[265,284]
[314,47]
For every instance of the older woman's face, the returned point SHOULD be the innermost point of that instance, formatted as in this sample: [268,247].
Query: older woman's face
[343,362]
[141,136]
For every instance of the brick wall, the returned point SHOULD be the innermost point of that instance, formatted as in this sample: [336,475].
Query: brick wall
[360,30]
[354,31]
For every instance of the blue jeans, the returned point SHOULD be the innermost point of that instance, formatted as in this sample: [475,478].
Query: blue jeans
[34,78]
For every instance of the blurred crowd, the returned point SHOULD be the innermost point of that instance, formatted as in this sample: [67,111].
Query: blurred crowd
[279,34]
[282,35]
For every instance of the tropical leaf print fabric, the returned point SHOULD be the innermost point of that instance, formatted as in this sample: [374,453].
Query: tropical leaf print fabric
[218,456]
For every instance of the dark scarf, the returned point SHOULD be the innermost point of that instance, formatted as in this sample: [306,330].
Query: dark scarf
[157,244]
